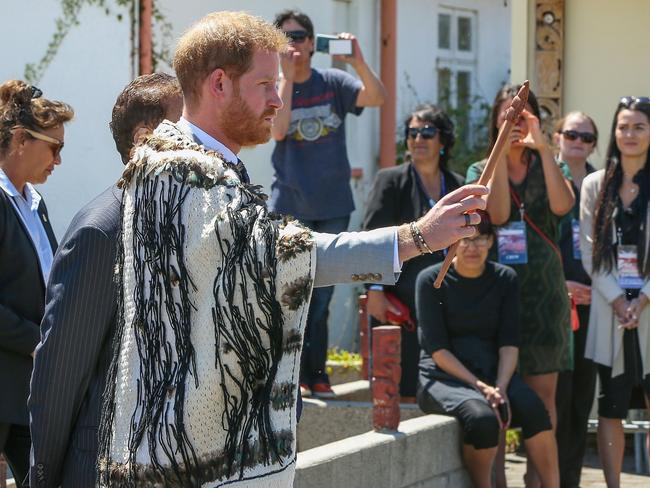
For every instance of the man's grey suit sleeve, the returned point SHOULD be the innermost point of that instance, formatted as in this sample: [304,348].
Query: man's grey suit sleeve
[80,305]
[356,257]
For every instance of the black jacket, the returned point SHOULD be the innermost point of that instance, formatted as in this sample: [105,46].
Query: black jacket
[22,298]
[74,355]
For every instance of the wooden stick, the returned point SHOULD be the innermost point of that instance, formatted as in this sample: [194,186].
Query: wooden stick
[512,115]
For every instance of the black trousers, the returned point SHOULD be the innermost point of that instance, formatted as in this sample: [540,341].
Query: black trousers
[15,443]
[573,399]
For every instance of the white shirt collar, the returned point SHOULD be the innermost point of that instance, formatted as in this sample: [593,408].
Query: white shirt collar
[31,196]
[208,141]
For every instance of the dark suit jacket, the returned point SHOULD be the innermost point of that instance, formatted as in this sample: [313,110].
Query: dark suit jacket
[74,354]
[22,295]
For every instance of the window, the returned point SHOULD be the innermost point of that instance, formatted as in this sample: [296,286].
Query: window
[444,88]
[463,88]
[464,33]
[444,31]
[456,67]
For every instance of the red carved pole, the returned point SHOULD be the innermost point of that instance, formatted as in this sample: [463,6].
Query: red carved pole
[363,335]
[386,372]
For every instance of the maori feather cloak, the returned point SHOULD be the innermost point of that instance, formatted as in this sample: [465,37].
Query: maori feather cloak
[213,298]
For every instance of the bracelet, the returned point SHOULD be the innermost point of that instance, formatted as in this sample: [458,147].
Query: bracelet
[376,288]
[418,239]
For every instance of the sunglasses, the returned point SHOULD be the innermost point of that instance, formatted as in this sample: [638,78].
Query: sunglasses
[480,241]
[55,144]
[427,132]
[297,36]
[572,135]
[628,101]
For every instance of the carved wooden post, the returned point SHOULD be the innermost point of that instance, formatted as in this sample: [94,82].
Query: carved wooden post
[363,335]
[549,47]
[386,372]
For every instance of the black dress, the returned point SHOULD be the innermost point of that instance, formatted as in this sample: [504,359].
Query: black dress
[397,198]
[472,318]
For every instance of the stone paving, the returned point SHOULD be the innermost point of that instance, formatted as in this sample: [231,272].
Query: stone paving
[592,474]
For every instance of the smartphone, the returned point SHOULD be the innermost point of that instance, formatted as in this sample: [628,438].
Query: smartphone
[332,45]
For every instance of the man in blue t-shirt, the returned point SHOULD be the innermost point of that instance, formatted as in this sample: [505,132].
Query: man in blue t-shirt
[312,171]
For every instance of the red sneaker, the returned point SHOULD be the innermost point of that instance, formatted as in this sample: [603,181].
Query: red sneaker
[322,390]
[305,391]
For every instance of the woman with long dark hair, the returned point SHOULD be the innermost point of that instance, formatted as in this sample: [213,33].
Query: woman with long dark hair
[403,194]
[529,194]
[614,239]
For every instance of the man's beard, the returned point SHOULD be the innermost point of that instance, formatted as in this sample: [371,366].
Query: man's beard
[243,126]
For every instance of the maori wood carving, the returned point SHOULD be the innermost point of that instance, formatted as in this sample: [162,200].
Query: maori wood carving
[386,352]
[549,47]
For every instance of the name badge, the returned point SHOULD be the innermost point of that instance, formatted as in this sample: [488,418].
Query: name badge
[628,268]
[575,232]
[512,243]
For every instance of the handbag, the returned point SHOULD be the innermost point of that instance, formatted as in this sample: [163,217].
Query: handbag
[402,318]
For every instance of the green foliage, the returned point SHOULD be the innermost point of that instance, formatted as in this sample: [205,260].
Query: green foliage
[345,358]
[70,11]
[513,440]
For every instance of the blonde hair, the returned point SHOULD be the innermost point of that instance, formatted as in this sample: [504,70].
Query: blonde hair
[21,105]
[226,40]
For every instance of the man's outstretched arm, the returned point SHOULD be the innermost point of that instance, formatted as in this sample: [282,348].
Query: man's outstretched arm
[370,256]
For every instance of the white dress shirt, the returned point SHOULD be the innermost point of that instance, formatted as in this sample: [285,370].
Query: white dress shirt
[26,207]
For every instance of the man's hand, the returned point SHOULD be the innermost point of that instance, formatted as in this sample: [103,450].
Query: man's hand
[581,293]
[445,223]
[378,305]
[288,63]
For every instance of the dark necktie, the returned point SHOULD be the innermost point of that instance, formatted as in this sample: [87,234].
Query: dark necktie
[243,174]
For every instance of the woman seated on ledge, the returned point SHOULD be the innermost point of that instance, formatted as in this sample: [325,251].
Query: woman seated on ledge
[469,332]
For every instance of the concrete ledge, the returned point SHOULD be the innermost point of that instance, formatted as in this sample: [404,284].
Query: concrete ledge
[325,421]
[356,391]
[424,453]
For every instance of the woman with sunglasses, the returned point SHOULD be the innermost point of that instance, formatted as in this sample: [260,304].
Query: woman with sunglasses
[576,136]
[469,335]
[529,194]
[403,194]
[31,138]
[614,239]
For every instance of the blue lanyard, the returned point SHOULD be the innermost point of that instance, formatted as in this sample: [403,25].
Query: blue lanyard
[443,186]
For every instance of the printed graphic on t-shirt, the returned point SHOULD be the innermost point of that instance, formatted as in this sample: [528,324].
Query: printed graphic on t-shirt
[312,123]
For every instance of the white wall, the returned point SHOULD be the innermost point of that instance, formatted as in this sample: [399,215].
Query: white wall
[418,57]
[91,68]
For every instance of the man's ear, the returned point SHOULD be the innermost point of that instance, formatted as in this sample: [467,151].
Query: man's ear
[218,83]
[139,132]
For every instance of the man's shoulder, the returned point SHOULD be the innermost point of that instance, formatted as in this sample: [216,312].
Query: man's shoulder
[101,213]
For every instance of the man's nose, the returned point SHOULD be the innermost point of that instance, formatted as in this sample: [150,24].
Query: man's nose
[275,101]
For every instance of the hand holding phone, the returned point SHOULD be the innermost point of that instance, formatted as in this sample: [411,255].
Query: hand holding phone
[333,45]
